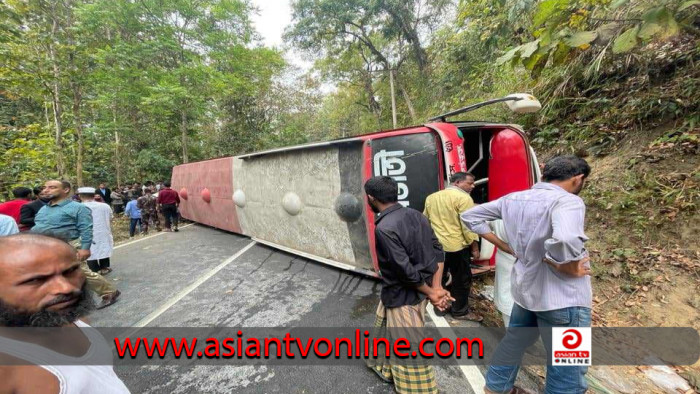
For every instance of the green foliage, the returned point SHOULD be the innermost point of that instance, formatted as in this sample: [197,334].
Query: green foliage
[25,152]
[130,81]
[563,28]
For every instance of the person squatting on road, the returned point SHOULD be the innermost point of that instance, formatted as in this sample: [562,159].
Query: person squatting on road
[410,277]
[102,241]
[42,285]
[442,209]
[149,210]
[550,280]
[169,200]
[72,222]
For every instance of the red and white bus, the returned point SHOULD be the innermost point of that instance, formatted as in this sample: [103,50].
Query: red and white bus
[309,199]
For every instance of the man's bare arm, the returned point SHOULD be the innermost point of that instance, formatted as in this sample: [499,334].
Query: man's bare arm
[500,244]
[437,278]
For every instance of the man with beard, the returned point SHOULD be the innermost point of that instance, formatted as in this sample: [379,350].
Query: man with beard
[550,281]
[29,211]
[42,285]
[72,222]
[410,260]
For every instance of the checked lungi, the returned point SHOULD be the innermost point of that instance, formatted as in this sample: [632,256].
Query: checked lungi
[95,282]
[406,378]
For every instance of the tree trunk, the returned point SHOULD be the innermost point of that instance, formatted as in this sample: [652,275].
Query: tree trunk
[372,103]
[56,96]
[46,113]
[183,131]
[56,99]
[117,156]
[409,103]
[393,97]
[77,118]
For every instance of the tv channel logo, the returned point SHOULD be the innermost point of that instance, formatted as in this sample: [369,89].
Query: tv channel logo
[571,346]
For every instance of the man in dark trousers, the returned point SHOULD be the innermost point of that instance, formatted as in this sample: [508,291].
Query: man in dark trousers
[106,193]
[29,211]
[410,260]
[168,201]
[442,209]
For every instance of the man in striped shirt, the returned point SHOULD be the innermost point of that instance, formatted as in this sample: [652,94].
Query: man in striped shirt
[550,281]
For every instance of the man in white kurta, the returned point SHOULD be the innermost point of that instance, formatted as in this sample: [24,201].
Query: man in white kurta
[102,242]
[504,265]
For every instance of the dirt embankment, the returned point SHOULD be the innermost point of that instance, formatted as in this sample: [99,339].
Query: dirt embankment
[643,222]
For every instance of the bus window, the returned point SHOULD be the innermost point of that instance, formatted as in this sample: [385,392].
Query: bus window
[413,161]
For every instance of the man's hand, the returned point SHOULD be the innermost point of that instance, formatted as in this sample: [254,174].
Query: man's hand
[476,253]
[440,298]
[576,269]
[83,254]
[499,243]
[506,248]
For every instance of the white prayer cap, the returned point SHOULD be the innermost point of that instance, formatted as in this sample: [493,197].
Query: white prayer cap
[86,190]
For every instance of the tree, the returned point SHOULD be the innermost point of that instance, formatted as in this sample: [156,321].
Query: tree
[381,32]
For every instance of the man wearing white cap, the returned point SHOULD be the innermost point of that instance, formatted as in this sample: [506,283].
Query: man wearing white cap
[102,242]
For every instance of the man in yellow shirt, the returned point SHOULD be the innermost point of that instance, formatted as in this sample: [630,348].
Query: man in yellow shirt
[461,245]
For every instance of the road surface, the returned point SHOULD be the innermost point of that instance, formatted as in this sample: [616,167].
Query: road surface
[205,277]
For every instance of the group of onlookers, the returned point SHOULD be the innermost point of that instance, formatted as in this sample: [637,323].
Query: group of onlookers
[84,221]
[86,225]
[144,208]
[540,230]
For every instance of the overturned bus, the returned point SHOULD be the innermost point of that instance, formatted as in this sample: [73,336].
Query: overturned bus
[308,200]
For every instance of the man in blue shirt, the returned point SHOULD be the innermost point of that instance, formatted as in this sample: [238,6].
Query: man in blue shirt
[63,218]
[134,213]
[72,222]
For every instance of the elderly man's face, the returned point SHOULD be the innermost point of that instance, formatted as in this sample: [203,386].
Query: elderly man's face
[41,284]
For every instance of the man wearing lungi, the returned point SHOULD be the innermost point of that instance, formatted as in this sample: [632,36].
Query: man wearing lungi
[410,260]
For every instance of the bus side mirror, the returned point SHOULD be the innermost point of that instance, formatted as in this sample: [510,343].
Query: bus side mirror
[523,103]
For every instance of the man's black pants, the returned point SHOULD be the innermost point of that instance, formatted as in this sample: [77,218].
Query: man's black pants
[170,213]
[458,264]
[97,265]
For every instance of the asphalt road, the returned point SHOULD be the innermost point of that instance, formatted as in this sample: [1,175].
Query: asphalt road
[260,287]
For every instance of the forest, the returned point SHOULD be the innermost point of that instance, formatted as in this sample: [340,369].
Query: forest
[116,91]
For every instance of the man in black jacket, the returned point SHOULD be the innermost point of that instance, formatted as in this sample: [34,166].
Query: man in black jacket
[29,211]
[411,260]
[105,193]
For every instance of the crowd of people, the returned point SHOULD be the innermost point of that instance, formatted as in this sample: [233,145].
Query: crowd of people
[426,258]
[84,219]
